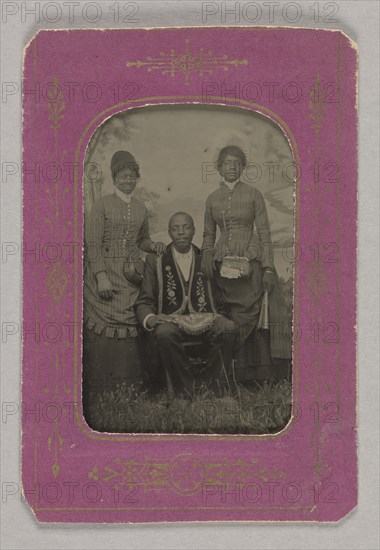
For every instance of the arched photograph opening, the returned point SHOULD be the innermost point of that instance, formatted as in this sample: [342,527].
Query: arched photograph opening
[188,272]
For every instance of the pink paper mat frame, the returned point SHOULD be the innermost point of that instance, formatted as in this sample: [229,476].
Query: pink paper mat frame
[308,472]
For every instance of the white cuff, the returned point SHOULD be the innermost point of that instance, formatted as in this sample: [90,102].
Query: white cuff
[101,276]
[145,320]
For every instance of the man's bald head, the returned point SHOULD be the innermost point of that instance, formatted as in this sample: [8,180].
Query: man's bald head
[181,231]
[180,217]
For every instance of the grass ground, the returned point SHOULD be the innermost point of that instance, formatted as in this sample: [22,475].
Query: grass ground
[245,409]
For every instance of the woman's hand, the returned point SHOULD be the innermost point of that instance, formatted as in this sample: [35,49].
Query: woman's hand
[269,281]
[246,270]
[159,248]
[208,264]
[105,288]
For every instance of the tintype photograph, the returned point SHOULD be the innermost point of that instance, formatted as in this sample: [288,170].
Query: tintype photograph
[195,292]
[188,273]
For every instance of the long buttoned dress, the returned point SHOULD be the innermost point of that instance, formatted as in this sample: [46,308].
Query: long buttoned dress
[238,212]
[114,231]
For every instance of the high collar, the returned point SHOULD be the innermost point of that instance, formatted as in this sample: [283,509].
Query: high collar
[123,196]
[230,185]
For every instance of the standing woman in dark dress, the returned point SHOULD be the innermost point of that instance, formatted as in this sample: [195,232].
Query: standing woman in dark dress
[237,209]
[115,233]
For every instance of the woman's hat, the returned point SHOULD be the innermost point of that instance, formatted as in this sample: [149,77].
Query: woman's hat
[122,160]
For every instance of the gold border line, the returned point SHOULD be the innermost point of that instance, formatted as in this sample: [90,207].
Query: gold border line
[143,508]
[337,209]
[186,100]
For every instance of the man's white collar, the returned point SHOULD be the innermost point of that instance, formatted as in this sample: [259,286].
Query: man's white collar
[188,254]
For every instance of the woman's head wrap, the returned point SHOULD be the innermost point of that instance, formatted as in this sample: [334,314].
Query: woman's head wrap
[121,160]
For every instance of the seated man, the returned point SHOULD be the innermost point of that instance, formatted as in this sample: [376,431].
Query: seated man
[176,303]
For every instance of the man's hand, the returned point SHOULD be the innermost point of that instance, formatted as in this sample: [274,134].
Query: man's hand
[156,320]
[269,281]
[208,264]
[159,248]
[105,288]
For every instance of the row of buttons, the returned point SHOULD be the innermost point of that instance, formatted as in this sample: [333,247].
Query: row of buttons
[229,216]
[126,218]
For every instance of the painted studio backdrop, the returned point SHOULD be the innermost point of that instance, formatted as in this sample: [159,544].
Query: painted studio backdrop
[177,147]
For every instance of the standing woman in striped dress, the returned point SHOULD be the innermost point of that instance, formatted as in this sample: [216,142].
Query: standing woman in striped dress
[237,209]
[115,233]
